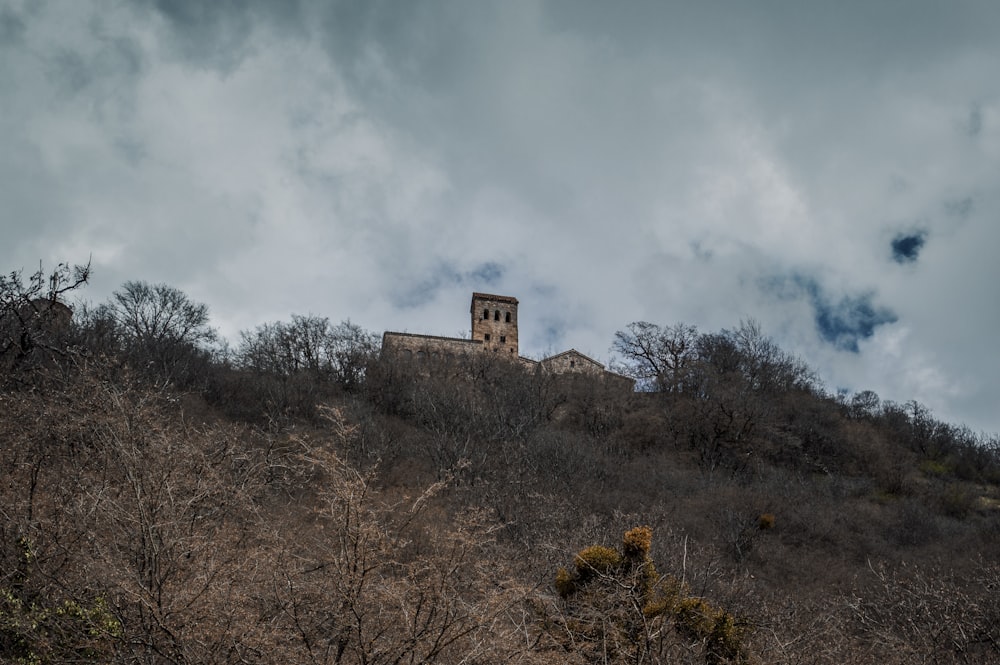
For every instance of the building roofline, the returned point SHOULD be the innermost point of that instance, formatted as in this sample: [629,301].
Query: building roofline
[387,333]
[574,352]
[490,296]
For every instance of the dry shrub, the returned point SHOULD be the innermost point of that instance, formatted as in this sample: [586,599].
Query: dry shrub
[766,521]
[618,608]
[596,560]
[636,542]
[371,581]
[216,544]
[915,614]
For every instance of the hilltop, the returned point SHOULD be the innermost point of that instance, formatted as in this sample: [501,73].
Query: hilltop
[301,498]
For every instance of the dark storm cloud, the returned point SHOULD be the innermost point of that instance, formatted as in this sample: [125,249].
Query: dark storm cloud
[842,321]
[218,34]
[351,27]
[107,74]
[214,34]
[69,72]
[906,246]
[11,26]
[417,41]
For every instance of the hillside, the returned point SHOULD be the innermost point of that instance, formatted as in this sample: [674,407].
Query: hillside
[302,499]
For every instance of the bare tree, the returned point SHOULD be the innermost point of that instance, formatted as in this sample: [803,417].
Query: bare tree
[918,615]
[163,331]
[158,314]
[367,581]
[309,345]
[763,364]
[865,404]
[659,357]
[33,315]
[353,350]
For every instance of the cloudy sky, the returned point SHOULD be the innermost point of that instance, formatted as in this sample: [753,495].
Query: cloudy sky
[827,168]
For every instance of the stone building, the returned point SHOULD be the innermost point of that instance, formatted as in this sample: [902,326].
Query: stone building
[411,346]
[494,322]
[571,361]
[494,329]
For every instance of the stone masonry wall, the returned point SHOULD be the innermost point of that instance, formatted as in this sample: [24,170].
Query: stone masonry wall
[572,361]
[407,346]
[494,322]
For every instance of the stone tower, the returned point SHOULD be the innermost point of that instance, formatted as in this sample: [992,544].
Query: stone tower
[494,321]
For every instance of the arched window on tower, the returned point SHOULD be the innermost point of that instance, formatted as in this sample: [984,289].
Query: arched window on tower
[508,317]
[486,314]
[496,315]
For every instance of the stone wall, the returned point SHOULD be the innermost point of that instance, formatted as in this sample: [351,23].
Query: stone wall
[408,346]
[571,361]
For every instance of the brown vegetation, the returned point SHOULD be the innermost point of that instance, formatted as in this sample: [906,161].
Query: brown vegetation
[299,500]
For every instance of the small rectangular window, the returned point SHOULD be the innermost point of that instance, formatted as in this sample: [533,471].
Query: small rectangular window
[503,339]
[487,336]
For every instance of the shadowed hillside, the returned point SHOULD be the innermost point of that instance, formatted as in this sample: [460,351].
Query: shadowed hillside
[298,498]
